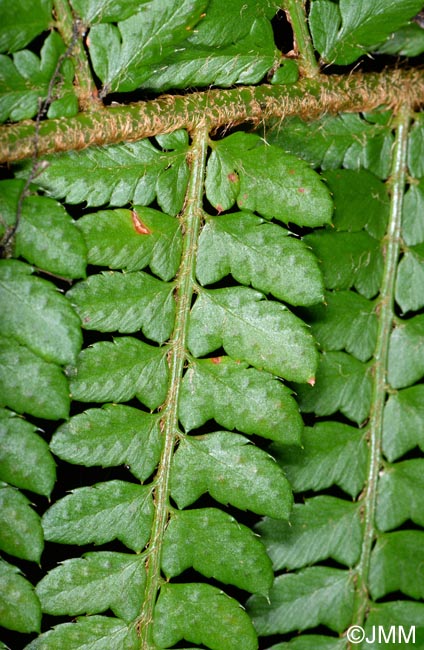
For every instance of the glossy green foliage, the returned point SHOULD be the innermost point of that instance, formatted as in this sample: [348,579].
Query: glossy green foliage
[348,327]
[265,343]
[148,173]
[222,285]
[26,78]
[344,31]
[172,44]
[243,170]
[47,236]
[258,253]
[346,140]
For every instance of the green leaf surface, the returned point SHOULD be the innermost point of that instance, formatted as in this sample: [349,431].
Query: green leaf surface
[406,41]
[110,436]
[410,280]
[123,55]
[342,384]
[416,148]
[125,302]
[261,254]
[331,454]
[232,471]
[346,321]
[133,239]
[245,61]
[401,494]
[356,26]
[402,615]
[413,206]
[358,264]
[323,527]
[94,11]
[19,606]
[36,315]
[28,384]
[21,534]
[360,201]
[185,611]
[287,73]
[26,79]
[395,558]
[263,333]
[346,140]
[47,236]
[403,425]
[267,180]
[216,545]
[225,24]
[90,175]
[312,642]
[98,514]
[118,371]
[88,633]
[314,596]
[94,583]
[25,459]
[22,21]
[238,398]
[406,353]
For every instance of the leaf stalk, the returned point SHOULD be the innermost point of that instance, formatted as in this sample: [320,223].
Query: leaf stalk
[190,223]
[72,32]
[296,15]
[385,309]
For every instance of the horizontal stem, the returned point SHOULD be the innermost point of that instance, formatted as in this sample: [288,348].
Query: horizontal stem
[308,98]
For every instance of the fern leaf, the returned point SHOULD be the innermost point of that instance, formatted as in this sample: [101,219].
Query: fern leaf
[25,459]
[131,240]
[40,318]
[267,180]
[110,436]
[28,384]
[323,527]
[216,545]
[90,633]
[20,531]
[344,32]
[225,465]
[20,608]
[238,397]
[111,510]
[90,176]
[263,333]
[47,236]
[261,254]
[332,453]
[347,140]
[399,494]
[119,371]
[146,302]
[94,583]
[185,612]
[317,595]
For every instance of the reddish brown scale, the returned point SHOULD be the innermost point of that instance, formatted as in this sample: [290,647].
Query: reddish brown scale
[139,226]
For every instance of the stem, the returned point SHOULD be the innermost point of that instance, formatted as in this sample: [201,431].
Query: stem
[379,394]
[308,99]
[71,32]
[190,223]
[296,15]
